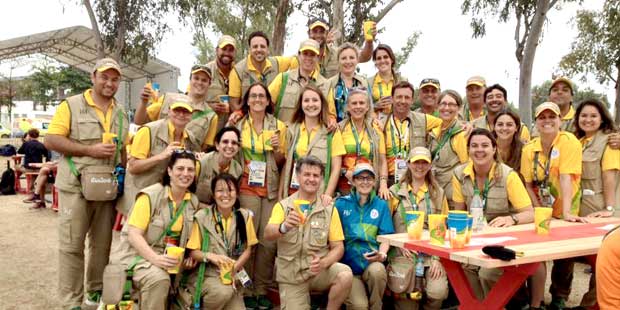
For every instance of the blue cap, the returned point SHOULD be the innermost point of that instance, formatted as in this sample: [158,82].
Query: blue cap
[361,167]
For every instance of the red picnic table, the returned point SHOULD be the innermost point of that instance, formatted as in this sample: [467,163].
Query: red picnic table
[565,240]
[54,170]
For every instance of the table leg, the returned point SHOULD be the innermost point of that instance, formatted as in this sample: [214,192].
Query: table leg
[462,288]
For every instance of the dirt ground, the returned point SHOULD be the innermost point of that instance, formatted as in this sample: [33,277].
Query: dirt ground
[29,259]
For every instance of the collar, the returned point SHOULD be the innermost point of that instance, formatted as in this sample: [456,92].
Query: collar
[251,67]
[355,197]
[419,195]
[378,79]
[171,132]
[88,95]
[570,115]
[469,170]
[302,128]
[187,195]
[537,143]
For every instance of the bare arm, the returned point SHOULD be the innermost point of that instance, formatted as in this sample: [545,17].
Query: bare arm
[384,192]
[65,146]
[609,187]
[336,250]
[235,104]
[566,192]
[330,189]
[272,232]
[366,53]
[137,166]
[141,117]
[460,206]
[136,239]
[525,215]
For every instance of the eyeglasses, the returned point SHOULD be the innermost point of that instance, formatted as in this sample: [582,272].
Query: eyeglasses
[367,179]
[257,96]
[448,104]
[233,142]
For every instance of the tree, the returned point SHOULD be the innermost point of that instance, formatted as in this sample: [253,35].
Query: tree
[540,94]
[50,83]
[530,16]
[596,49]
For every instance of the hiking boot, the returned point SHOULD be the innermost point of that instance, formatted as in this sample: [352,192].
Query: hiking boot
[250,303]
[264,303]
[32,198]
[92,298]
[557,303]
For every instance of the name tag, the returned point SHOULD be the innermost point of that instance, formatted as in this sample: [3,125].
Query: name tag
[294,182]
[588,192]
[400,167]
[258,170]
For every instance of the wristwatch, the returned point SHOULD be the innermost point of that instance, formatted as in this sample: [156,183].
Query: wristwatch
[515,219]
[282,229]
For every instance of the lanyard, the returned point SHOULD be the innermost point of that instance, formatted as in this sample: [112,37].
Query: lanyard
[358,142]
[252,132]
[308,132]
[485,192]
[173,219]
[263,79]
[444,139]
[401,151]
[547,165]
[220,227]
[414,204]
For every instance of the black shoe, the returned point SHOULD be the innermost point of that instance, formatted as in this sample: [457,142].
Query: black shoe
[557,304]
[33,198]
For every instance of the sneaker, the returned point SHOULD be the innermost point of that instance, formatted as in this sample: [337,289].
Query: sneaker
[264,303]
[40,206]
[32,198]
[250,303]
[92,298]
[557,304]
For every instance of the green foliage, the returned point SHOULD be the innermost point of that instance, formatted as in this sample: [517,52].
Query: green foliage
[405,51]
[502,9]
[540,94]
[48,81]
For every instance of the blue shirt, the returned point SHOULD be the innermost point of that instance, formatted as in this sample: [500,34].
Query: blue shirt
[361,225]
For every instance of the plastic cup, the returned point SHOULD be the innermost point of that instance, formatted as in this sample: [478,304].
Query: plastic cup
[542,220]
[457,214]
[437,228]
[301,205]
[108,137]
[458,232]
[267,134]
[226,273]
[470,229]
[175,252]
[224,99]
[415,220]
[368,24]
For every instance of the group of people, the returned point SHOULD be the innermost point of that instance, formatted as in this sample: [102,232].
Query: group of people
[222,171]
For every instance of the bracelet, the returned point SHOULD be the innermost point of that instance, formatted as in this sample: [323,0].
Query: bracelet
[383,178]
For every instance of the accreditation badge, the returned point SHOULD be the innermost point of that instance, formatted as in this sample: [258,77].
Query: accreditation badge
[400,167]
[258,170]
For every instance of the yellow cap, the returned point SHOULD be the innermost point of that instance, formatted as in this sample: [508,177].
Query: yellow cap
[104,64]
[183,103]
[226,40]
[420,153]
[562,79]
[476,80]
[201,68]
[430,82]
[547,106]
[309,45]
[318,22]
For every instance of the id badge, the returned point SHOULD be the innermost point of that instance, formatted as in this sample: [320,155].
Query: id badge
[294,182]
[400,167]
[258,170]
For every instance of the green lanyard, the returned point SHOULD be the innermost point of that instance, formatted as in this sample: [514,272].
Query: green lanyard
[414,204]
[485,192]
[547,166]
[173,219]
[202,113]
[220,227]
[401,150]
[201,271]
[252,132]
[358,142]
[444,139]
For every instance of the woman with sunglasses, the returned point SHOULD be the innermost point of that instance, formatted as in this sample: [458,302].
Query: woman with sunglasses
[363,142]
[222,238]
[339,85]
[222,160]
[308,135]
[160,218]
[263,151]
[418,190]
[448,143]
[384,79]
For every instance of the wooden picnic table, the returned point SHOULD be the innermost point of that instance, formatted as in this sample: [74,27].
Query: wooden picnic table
[565,240]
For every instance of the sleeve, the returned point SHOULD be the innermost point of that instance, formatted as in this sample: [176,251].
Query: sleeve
[277,214]
[61,122]
[331,104]
[284,62]
[294,62]
[526,165]
[611,159]
[250,232]
[394,201]
[386,226]
[382,149]
[195,239]
[335,228]
[274,88]
[21,149]
[152,111]
[211,132]
[517,194]
[444,206]
[570,157]
[141,213]
[457,194]
[198,168]
[338,144]
[141,145]
[234,84]
[432,122]
[525,134]
[459,144]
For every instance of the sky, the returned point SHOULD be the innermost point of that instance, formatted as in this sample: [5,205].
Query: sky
[445,50]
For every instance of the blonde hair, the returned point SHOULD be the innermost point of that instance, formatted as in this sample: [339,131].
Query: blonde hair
[347,45]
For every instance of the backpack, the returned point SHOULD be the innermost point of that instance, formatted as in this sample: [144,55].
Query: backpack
[7,183]
[7,150]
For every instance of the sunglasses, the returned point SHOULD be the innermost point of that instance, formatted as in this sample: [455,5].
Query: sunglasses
[430,81]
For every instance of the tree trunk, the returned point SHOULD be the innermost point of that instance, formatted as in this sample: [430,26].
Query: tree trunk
[529,53]
[121,30]
[96,32]
[279,30]
[617,101]
[338,19]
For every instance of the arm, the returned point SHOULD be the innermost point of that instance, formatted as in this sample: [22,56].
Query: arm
[529,186]
[566,192]
[65,146]
[336,250]
[137,166]
[141,117]
[609,187]
[460,206]
[384,192]
[330,189]
[366,52]
[135,236]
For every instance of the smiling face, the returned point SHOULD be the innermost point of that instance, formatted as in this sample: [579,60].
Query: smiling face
[180,117]
[257,99]
[311,103]
[308,60]
[364,182]
[199,82]
[402,100]
[318,34]
[228,145]
[481,150]
[495,101]
[182,173]
[448,108]
[560,94]
[309,178]
[225,195]
[106,83]
[383,62]
[419,169]
[225,55]
[428,96]
[547,122]
[358,106]
[505,127]
[259,50]
[589,120]
[348,61]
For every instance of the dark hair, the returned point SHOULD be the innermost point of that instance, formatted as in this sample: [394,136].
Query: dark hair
[453,94]
[258,34]
[223,130]
[430,179]
[176,155]
[483,132]
[390,53]
[491,88]
[33,133]
[299,115]
[403,84]
[241,233]
[246,108]
[607,123]
[309,160]
[516,145]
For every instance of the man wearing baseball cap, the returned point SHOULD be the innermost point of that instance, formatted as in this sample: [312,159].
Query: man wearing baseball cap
[204,120]
[77,132]
[474,91]
[364,216]
[495,101]
[286,87]
[428,95]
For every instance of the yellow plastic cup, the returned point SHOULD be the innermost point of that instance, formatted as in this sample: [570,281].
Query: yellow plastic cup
[298,203]
[415,220]
[368,24]
[226,273]
[175,252]
[108,138]
[267,134]
[542,220]
[437,228]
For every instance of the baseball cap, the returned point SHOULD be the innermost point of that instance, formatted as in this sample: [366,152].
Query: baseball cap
[183,103]
[430,82]
[476,80]
[562,79]
[361,167]
[203,68]
[420,153]
[309,45]
[226,40]
[547,106]
[104,64]
[318,22]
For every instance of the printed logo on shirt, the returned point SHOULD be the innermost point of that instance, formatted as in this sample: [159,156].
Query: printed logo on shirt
[555,153]
[374,214]
[346,212]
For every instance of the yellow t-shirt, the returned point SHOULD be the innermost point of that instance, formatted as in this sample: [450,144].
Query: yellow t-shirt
[61,122]
[419,195]
[381,88]
[234,80]
[152,111]
[566,156]
[141,146]
[611,157]
[195,239]
[140,216]
[304,138]
[350,145]
[395,144]
[335,226]
[517,194]
[276,84]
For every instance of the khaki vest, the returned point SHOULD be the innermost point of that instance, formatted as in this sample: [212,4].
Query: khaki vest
[218,87]
[208,170]
[248,77]
[444,163]
[292,90]
[273,172]
[417,129]
[295,247]
[374,138]
[592,175]
[158,143]
[497,198]
[197,127]
[316,147]
[204,218]
[160,219]
[401,192]
[329,64]
[87,129]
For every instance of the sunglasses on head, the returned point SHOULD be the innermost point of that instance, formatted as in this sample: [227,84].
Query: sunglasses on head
[430,81]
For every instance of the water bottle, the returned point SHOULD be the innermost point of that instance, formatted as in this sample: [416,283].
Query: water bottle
[418,290]
[477,212]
